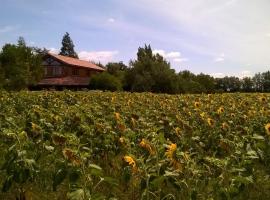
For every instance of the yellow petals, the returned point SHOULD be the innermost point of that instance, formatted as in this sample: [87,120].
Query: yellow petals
[146,145]
[203,114]
[171,151]
[197,104]
[267,128]
[220,110]
[210,122]
[117,116]
[263,99]
[131,162]
[177,131]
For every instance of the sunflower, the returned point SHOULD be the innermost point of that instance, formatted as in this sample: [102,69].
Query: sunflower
[267,128]
[171,151]
[263,99]
[220,110]
[203,114]
[130,161]
[197,104]
[210,122]
[117,116]
[146,145]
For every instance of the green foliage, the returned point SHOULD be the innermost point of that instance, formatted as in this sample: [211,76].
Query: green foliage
[150,73]
[67,48]
[20,66]
[105,81]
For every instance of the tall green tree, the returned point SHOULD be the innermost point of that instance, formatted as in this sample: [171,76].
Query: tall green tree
[67,48]
[266,81]
[150,72]
[187,83]
[247,84]
[20,66]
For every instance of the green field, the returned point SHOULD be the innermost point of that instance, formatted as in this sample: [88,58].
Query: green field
[102,145]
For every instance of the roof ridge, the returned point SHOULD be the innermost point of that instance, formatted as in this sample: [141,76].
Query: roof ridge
[76,62]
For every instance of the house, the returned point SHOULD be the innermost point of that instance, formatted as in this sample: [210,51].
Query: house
[66,72]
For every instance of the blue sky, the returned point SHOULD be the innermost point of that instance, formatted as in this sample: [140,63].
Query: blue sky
[224,37]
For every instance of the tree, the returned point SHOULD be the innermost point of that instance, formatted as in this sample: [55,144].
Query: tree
[187,83]
[20,66]
[266,81]
[258,82]
[247,84]
[118,70]
[67,48]
[228,84]
[105,81]
[151,73]
[206,82]
[115,68]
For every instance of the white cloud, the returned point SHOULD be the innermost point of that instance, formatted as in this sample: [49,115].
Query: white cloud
[53,50]
[218,75]
[180,60]
[220,58]
[111,20]
[175,56]
[239,27]
[7,29]
[245,73]
[98,56]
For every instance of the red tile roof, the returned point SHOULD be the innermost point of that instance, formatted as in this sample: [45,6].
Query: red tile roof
[65,81]
[76,62]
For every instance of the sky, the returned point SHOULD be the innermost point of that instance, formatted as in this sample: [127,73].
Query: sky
[217,37]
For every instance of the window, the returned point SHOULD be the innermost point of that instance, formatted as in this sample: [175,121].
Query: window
[57,71]
[53,71]
[75,72]
[48,71]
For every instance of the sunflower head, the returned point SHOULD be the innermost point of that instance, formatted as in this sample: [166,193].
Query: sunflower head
[267,128]
[131,162]
[210,121]
[197,104]
[171,151]
[263,99]
[117,116]
[220,110]
[146,145]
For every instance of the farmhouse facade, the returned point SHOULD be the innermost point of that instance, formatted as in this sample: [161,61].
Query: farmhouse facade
[63,71]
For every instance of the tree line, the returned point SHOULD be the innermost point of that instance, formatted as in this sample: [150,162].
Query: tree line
[20,68]
[152,73]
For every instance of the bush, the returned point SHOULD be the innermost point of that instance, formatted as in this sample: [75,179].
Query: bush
[105,81]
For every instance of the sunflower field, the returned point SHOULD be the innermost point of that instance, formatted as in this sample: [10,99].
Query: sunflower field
[104,145]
